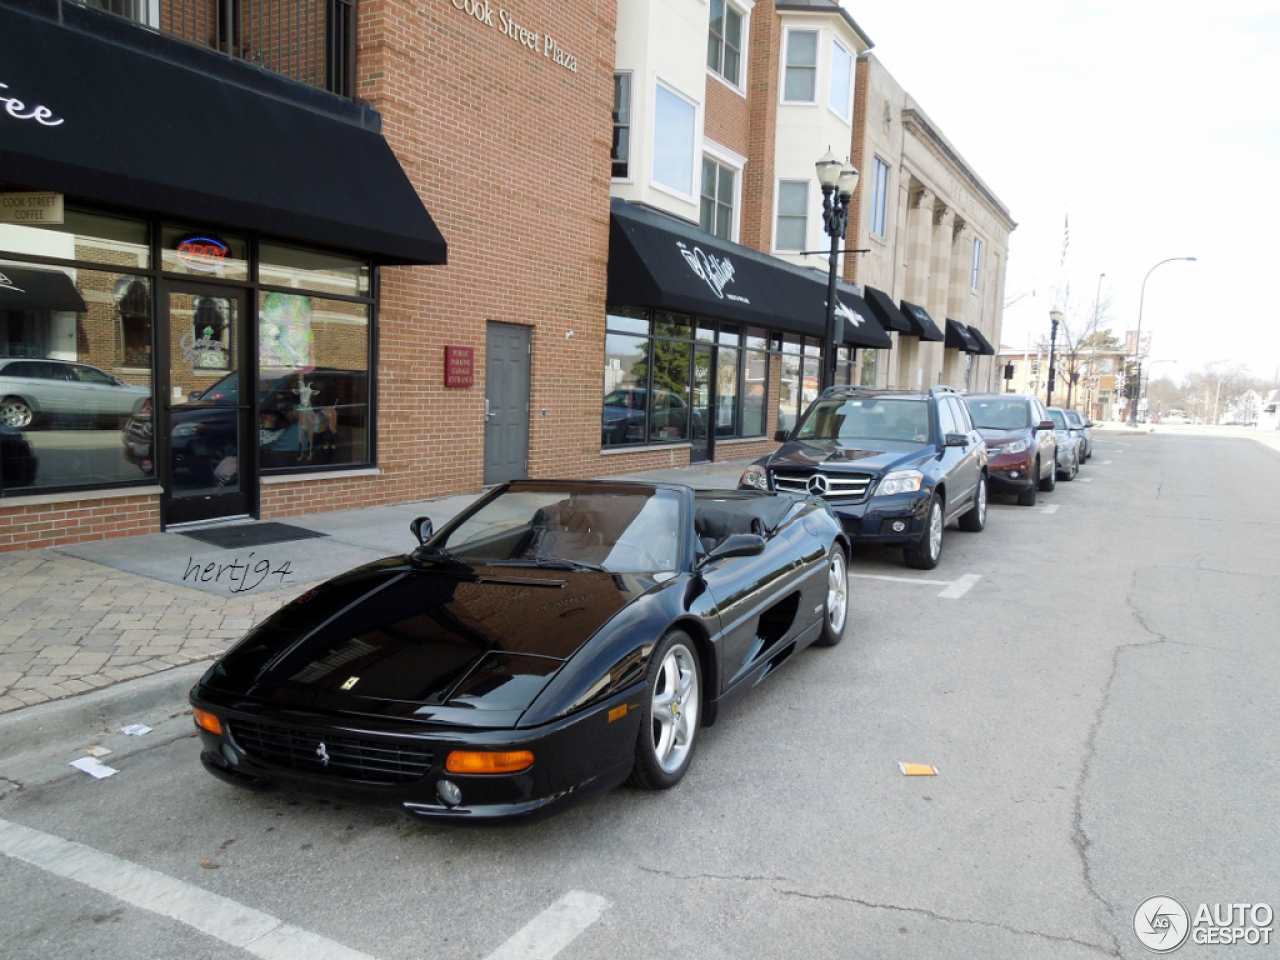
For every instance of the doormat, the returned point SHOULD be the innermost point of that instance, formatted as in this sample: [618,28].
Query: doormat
[251,534]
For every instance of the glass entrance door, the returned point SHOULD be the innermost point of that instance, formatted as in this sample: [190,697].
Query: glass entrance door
[206,405]
[702,423]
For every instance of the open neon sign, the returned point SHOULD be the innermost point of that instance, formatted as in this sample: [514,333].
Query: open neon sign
[202,253]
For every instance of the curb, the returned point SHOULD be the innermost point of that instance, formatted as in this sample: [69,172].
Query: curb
[89,714]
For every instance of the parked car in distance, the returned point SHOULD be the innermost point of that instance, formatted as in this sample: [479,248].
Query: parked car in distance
[556,638]
[1082,427]
[896,466]
[1021,443]
[52,391]
[18,460]
[622,418]
[1068,456]
[203,430]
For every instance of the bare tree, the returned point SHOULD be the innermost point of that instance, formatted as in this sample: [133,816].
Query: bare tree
[1081,331]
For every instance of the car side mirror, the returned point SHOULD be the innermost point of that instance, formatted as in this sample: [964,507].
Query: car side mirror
[956,440]
[780,436]
[1088,424]
[1044,425]
[737,545]
[422,529]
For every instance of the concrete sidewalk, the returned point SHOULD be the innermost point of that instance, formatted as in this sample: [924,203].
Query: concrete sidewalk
[89,617]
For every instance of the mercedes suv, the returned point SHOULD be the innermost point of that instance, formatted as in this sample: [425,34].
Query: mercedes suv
[895,465]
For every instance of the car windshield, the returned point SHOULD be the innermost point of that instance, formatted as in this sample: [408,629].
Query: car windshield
[1059,420]
[999,414]
[867,418]
[1075,419]
[620,529]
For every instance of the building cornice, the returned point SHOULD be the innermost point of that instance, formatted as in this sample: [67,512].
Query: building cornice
[916,121]
[825,7]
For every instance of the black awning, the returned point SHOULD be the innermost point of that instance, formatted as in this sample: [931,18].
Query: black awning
[886,312]
[959,338]
[22,288]
[656,260]
[124,127]
[860,326]
[922,324]
[985,349]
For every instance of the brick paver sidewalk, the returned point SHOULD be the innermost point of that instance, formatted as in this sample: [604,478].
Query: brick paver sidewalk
[68,626]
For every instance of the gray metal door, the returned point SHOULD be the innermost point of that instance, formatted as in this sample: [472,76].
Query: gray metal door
[506,404]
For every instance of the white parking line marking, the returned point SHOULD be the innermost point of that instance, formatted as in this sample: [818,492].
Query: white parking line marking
[1085,479]
[1104,463]
[554,928]
[233,923]
[960,587]
[1052,508]
[873,576]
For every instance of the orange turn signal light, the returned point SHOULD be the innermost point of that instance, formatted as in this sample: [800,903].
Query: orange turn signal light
[473,761]
[207,721]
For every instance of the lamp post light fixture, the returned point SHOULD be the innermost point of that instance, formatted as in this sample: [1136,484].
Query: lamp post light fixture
[1055,317]
[1137,346]
[838,179]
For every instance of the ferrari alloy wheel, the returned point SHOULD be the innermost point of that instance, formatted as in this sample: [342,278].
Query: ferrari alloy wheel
[669,727]
[925,553]
[836,610]
[14,412]
[976,518]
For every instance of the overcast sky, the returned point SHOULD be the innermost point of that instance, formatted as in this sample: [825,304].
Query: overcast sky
[1154,127]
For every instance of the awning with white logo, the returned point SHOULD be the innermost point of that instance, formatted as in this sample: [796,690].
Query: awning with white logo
[959,338]
[657,260]
[985,349]
[111,122]
[922,324]
[24,288]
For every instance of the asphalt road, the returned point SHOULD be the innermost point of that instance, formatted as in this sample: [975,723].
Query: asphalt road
[1094,679]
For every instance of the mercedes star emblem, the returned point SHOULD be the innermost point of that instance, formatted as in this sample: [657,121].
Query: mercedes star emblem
[818,485]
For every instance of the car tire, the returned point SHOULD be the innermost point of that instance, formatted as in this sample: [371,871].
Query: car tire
[1027,498]
[835,612]
[976,518]
[671,716]
[925,553]
[1048,483]
[15,412]
[1070,473]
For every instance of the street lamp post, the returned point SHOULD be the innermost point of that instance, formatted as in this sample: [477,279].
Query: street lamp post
[1055,317]
[1137,346]
[839,180]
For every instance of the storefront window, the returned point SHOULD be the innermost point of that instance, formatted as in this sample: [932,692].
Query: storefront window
[670,414]
[727,392]
[755,384]
[119,243]
[867,368]
[211,255]
[313,382]
[281,266]
[789,389]
[70,390]
[626,378]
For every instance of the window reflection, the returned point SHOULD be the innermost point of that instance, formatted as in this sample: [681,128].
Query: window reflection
[74,373]
[313,381]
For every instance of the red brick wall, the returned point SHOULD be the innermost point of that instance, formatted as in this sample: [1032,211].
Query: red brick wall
[54,525]
[756,222]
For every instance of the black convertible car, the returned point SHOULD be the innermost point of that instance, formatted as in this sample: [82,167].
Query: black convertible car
[554,640]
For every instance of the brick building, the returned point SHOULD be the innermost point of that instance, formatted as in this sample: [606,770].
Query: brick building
[391,250]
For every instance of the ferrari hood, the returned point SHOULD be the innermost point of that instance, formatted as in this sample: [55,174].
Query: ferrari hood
[398,632]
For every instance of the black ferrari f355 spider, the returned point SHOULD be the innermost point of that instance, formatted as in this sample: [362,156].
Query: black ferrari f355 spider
[552,641]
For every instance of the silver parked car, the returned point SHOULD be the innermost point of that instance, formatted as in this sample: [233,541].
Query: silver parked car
[1068,444]
[53,389]
[1082,427]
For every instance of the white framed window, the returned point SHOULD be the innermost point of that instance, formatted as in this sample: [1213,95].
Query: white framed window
[840,98]
[800,77]
[674,122]
[793,215]
[880,198]
[621,126]
[725,41]
[717,213]
[977,264]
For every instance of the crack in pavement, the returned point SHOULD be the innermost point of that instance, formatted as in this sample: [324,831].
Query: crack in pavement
[892,907]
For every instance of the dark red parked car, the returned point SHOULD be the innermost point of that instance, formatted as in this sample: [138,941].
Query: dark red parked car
[1022,449]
